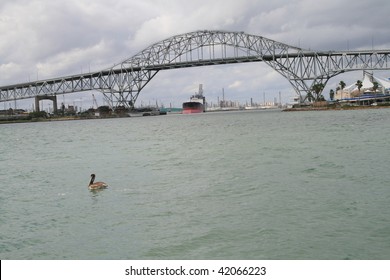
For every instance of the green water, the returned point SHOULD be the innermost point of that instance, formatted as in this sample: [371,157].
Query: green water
[233,185]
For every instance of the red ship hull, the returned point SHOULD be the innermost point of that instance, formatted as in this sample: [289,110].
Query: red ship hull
[192,107]
[192,111]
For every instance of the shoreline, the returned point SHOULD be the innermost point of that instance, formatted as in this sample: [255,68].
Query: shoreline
[55,119]
[302,109]
[344,108]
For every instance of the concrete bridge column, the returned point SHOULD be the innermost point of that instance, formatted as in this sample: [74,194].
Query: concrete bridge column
[46,97]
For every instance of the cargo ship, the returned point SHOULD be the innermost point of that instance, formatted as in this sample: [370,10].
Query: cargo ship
[197,103]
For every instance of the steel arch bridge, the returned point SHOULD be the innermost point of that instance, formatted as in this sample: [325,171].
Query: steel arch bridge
[122,83]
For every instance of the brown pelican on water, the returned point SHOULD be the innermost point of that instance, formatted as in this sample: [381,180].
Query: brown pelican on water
[96,185]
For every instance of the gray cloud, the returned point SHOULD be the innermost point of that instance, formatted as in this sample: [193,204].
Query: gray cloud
[47,38]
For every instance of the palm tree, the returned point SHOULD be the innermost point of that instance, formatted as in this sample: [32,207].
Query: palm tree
[342,86]
[331,94]
[359,84]
[309,96]
[318,88]
[375,87]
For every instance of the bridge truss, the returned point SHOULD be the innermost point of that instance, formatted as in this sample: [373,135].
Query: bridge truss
[122,83]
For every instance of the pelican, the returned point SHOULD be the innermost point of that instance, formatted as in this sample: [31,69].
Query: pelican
[96,185]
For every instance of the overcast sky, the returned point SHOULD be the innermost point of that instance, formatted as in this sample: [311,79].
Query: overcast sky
[49,38]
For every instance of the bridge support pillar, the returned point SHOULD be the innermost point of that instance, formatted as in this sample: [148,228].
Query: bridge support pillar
[46,97]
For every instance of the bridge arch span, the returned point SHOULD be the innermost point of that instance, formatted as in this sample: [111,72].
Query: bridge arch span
[207,45]
[197,48]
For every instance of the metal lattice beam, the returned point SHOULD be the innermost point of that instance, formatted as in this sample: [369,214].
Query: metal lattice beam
[123,83]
